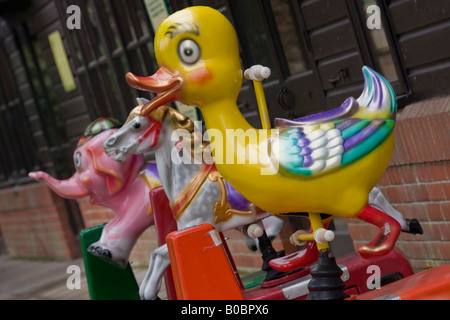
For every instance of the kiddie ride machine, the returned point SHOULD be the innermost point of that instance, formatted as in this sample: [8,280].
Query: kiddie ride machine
[202,268]
[322,163]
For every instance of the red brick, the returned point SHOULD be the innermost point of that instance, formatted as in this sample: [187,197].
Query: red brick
[444,250]
[431,231]
[394,176]
[431,250]
[419,211]
[398,153]
[415,148]
[444,229]
[407,174]
[434,211]
[443,136]
[435,233]
[391,193]
[423,173]
[403,246]
[411,155]
[420,264]
[415,250]
[446,188]
[446,166]
[435,191]
[437,171]
[445,208]
[423,143]
[36,224]
[435,139]
[367,231]
[420,192]
[430,137]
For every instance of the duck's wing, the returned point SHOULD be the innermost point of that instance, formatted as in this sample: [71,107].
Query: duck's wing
[315,149]
[376,101]
[345,110]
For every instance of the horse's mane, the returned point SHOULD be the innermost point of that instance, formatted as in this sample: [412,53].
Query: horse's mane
[178,121]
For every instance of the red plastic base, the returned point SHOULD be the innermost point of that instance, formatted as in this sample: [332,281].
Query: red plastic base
[392,266]
[432,284]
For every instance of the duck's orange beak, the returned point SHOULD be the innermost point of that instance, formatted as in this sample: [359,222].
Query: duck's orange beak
[164,83]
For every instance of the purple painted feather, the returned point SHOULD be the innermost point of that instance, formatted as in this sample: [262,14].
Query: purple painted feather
[235,199]
[362,135]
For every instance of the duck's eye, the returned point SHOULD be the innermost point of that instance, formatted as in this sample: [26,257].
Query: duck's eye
[189,51]
[78,160]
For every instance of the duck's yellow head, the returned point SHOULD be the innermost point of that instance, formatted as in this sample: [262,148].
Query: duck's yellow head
[198,54]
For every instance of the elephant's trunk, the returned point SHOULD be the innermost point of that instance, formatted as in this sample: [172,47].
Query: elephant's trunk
[70,188]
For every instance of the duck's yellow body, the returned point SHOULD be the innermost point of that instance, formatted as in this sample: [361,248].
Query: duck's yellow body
[197,50]
[342,192]
[322,163]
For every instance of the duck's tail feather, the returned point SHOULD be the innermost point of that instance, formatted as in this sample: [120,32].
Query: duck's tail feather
[378,98]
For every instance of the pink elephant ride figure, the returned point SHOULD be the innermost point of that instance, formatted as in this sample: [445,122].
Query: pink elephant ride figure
[121,186]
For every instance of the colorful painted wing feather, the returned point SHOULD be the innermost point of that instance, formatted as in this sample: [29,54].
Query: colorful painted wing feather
[321,142]
[348,108]
[317,149]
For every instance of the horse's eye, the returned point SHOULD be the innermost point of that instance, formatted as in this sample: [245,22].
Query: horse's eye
[136,125]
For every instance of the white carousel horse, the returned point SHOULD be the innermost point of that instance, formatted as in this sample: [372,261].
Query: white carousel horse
[195,189]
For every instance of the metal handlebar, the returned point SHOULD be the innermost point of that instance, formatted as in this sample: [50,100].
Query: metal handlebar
[257,74]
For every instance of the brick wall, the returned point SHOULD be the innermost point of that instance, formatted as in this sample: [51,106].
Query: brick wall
[34,223]
[417,183]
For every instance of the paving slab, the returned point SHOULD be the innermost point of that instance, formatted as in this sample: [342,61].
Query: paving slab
[24,279]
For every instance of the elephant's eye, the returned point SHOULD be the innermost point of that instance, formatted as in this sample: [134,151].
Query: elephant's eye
[78,160]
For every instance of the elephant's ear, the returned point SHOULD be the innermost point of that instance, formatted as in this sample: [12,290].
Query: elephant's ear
[113,184]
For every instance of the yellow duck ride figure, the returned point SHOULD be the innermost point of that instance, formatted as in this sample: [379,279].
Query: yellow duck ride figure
[322,163]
